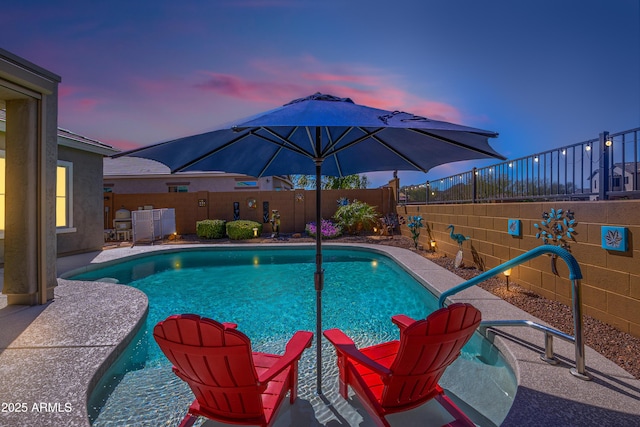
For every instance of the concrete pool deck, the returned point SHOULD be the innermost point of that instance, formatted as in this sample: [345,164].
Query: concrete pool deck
[52,355]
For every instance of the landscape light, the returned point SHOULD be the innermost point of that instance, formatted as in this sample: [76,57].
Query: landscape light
[507,273]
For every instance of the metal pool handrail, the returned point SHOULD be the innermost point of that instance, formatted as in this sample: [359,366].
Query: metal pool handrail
[575,275]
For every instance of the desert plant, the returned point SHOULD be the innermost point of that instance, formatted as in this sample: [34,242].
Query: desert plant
[242,229]
[356,216]
[327,228]
[211,229]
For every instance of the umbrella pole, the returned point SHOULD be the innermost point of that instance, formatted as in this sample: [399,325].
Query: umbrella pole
[318,277]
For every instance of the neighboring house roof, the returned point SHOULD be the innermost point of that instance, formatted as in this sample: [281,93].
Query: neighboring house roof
[141,168]
[127,166]
[70,139]
[628,167]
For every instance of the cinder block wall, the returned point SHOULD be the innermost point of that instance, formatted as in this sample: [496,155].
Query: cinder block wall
[611,280]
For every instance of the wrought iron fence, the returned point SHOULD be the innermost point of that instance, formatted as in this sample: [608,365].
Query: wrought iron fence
[597,169]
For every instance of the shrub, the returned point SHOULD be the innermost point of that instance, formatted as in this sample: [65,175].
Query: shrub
[241,230]
[356,216]
[211,229]
[327,228]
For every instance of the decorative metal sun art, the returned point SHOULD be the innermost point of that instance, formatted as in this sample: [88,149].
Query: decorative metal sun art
[557,227]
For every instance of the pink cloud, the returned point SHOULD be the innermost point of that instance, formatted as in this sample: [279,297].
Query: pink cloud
[437,111]
[79,105]
[267,91]
[66,90]
[122,144]
[306,75]
[248,90]
[177,105]
[71,98]
[334,77]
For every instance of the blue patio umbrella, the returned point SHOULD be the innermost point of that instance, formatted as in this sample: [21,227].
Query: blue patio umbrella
[323,135]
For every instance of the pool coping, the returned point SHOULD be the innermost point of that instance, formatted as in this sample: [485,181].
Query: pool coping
[42,345]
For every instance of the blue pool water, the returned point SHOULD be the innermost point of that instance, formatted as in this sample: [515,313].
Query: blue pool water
[270,294]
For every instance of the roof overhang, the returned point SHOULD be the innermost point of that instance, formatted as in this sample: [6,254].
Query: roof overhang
[79,144]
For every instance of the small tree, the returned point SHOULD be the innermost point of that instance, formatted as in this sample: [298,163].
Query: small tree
[330,182]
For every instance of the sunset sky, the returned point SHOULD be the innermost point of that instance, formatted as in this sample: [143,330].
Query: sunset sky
[542,73]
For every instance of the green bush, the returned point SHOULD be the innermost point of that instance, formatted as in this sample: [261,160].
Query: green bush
[211,229]
[356,216]
[240,230]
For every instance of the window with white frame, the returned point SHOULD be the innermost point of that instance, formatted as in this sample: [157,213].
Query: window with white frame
[64,195]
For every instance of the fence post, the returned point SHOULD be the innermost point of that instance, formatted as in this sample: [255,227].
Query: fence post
[474,188]
[603,167]
[428,192]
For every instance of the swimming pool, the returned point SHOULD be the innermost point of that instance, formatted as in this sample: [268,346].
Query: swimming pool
[270,294]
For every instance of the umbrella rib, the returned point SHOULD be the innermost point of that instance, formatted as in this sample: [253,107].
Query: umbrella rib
[316,155]
[348,145]
[457,144]
[210,153]
[333,144]
[355,141]
[399,154]
[264,169]
[280,148]
[286,144]
[135,150]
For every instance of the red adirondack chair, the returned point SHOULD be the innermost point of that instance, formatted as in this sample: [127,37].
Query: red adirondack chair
[400,375]
[231,383]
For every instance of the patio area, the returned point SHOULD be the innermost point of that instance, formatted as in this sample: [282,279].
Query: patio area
[52,355]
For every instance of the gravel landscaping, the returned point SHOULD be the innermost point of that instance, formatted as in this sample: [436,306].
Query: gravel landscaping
[617,346]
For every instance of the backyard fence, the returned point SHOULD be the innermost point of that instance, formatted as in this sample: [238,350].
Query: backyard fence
[602,168]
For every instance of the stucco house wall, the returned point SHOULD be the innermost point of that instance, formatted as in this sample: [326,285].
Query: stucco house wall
[2,147]
[86,231]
